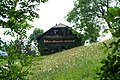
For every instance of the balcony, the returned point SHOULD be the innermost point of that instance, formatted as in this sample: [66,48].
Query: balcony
[58,41]
[58,37]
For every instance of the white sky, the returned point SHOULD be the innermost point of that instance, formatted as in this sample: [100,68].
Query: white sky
[51,13]
[54,12]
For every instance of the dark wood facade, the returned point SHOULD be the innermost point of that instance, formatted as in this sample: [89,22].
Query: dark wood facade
[58,38]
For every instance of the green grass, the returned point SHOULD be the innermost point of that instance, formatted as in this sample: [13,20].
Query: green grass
[80,63]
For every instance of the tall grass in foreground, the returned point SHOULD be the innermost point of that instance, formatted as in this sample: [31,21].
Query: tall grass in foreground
[80,63]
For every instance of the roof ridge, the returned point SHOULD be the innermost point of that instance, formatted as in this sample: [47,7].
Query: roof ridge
[59,25]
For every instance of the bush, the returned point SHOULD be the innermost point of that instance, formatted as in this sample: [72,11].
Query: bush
[12,68]
[110,69]
[15,66]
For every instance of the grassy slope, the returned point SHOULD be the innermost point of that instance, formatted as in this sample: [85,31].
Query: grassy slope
[80,63]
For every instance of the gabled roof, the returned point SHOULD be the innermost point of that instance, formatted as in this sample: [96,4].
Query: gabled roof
[59,25]
[56,26]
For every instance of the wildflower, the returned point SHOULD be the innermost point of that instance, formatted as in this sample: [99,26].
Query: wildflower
[56,66]
[81,55]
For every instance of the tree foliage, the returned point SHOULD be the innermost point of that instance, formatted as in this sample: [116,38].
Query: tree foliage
[37,32]
[10,67]
[14,15]
[110,69]
[87,17]
[33,42]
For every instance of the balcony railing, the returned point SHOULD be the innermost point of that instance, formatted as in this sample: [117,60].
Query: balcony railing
[58,36]
[58,41]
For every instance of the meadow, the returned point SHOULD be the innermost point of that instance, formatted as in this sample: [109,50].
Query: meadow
[79,63]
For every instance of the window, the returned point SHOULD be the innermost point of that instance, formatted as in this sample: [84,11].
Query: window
[55,31]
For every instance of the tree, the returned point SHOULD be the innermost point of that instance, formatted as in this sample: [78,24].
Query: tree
[32,38]
[37,32]
[88,16]
[110,69]
[15,14]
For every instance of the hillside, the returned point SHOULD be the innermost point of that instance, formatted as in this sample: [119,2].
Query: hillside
[79,63]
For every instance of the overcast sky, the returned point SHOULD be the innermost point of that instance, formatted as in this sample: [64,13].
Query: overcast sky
[54,12]
[51,13]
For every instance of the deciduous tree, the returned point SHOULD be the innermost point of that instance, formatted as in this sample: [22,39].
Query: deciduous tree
[37,32]
[110,69]
[15,14]
[88,17]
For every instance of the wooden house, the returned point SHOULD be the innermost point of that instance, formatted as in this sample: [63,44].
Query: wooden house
[58,38]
